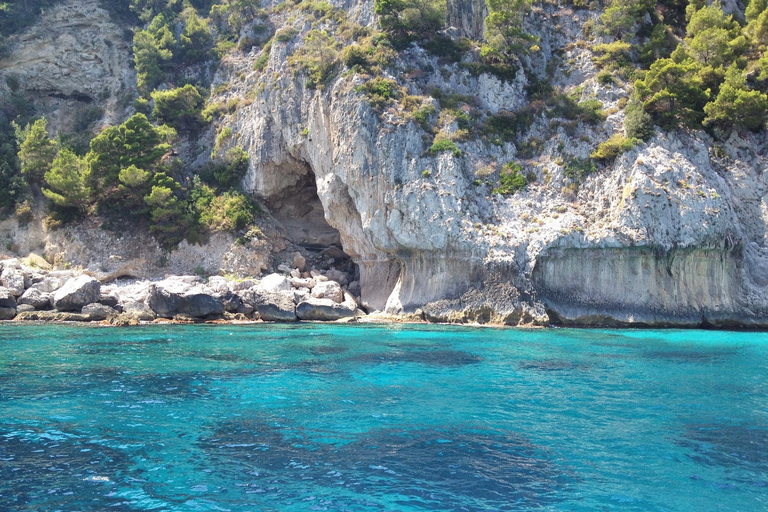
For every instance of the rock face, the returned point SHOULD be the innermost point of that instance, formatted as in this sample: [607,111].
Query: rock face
[71,58]
[674,232]
[684,222]
[76,293]
[169,303]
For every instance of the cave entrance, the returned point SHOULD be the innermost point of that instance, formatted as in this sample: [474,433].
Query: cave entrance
[299,210]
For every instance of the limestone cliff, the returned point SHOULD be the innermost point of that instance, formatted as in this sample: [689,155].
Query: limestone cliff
[672,233]
[73,58]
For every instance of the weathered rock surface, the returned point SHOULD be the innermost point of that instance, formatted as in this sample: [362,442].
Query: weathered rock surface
[272,306]
[52,316]
[275,283]
[139,311]
[167,301]
[97,312]
[323,310]
[35,298]
[71,58]
[328,290]
[7,304]
[76,293]
[13,280]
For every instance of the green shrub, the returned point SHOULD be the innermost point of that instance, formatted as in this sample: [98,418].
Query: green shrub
[285,34]
[511,179]
[507,125]
[423,115]
[370,55]
[613,147]
[613,55]
[579,168]
[442,144]
[180,108]
[232,168]
[318,57]
[449,50]
[637,123]
[605,78]
[36,151]
[591,111]
[231,211]
[263,59]
[379,91]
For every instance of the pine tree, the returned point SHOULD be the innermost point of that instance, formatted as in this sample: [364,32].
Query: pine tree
[66,183]
[735,105]
[36,151]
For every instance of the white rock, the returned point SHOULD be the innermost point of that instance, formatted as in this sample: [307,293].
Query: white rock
[328,290]
[218,284]
[274,283]
[302,283]
[13,279]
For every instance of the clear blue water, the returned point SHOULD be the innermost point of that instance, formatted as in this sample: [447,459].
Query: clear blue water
[364,418]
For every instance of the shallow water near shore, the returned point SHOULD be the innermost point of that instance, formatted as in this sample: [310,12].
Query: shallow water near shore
[394,417]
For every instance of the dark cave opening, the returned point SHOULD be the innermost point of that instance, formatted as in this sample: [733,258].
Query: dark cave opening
[300,212]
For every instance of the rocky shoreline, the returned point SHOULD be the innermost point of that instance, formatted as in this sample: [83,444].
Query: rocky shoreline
[32,293]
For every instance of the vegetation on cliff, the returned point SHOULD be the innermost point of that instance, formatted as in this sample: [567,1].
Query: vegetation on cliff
[686,65]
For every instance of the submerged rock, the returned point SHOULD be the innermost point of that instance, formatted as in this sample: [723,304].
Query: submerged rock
[76,293]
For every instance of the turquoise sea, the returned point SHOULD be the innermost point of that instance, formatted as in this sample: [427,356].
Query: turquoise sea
[373,418]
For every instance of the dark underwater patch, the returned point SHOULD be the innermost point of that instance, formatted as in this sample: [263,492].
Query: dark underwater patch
[689,355]
[551,365]
[444,358]
[57,469]
[462,469]
[728,445]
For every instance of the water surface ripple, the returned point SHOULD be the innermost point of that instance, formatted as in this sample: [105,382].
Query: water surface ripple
[375,418]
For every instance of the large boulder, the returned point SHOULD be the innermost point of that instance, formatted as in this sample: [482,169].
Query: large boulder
[13,279]
[7,300]
[76,293]
[337,275]
[34,297]
[49,284]
[169,303]
[97,312]
[272,306]
[324,310]
[230,301]
[7,304]
[275,283]
[138,310]
[328,290]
